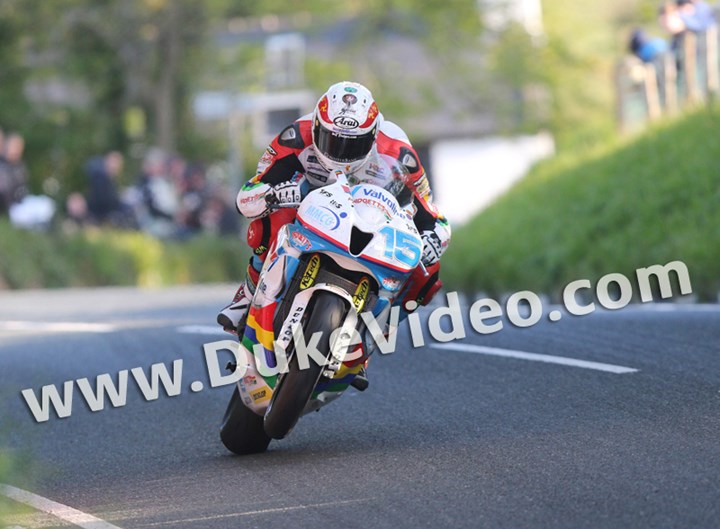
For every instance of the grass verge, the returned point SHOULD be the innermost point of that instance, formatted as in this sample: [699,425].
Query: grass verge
[648,200]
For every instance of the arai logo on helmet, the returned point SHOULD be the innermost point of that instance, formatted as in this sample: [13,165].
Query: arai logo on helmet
[345,122]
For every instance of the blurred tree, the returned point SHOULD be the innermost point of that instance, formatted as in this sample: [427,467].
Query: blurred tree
[104,58]
[13,71]
[136,53]
[519,65]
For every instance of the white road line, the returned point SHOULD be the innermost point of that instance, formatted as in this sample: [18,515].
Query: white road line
[252,513]
[201,329]
[68,514]
[676,307]
[535,357]
[69,326]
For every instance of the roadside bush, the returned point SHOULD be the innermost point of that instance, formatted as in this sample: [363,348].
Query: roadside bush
[101,258]
[649,200]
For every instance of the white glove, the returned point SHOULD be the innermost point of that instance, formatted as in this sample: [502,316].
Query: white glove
[432,247]
[286,193]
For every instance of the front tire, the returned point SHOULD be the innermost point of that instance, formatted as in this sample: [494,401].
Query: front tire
[242,430]
[296,386]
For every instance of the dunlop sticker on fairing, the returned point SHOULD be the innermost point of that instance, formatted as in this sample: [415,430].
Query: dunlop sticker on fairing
[311,272]
[361,293]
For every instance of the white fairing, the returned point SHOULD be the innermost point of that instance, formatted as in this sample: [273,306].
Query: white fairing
[332,212]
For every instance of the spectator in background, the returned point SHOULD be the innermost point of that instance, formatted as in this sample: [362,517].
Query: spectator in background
[647,48]
[159,202]
[76,211]
[218,217]
[104,203]
[686,15]
[13,174]
[670,20]
[193,198]
[696,15]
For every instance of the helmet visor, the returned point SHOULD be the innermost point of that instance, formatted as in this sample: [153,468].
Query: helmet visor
[342,148]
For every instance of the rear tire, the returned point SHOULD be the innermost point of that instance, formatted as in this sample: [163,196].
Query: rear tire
[242,430]
[296,386]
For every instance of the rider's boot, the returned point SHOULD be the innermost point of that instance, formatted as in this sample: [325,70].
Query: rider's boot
[232,318]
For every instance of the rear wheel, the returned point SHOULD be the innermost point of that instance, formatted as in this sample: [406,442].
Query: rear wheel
[242,430]
[296,386]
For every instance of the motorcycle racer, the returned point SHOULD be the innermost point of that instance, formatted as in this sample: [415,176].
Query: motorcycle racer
[345,132]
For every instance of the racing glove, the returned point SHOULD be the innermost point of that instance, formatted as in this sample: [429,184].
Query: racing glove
[435,242]
[287,193]
[432,247]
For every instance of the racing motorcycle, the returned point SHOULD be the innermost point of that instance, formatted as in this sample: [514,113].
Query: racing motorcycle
[350,250]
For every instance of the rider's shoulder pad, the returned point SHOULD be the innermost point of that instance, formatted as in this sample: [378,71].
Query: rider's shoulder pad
[292,136]
[393,131]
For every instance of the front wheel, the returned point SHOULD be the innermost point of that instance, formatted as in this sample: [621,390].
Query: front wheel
[242,429]
[296,386]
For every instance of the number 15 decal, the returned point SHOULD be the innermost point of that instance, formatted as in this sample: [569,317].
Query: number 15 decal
[401,246]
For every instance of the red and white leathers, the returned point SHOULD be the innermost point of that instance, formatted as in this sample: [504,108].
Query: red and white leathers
[293,152]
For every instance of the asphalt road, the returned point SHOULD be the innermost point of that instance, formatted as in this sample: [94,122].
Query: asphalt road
[442,438]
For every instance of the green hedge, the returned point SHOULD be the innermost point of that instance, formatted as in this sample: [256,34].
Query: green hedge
[100,257]
[650,200]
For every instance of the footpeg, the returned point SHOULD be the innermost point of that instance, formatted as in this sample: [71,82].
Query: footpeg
[360,383]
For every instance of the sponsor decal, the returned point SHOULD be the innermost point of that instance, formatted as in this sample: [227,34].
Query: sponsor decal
[373,204]
[317,176]
[260,396]
[300,241]
[266,158]
[335,203]
[346,122]
[391,283]
[294,320]
[350,89]
[249,380]
[311,272]
[324,216]
[361,293]
[423,187]
[326,193]
[260,250]
[252,198]
[390,203]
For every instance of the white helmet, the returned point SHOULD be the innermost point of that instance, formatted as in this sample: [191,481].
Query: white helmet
[345,124]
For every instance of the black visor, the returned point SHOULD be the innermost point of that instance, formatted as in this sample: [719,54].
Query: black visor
[342,148]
